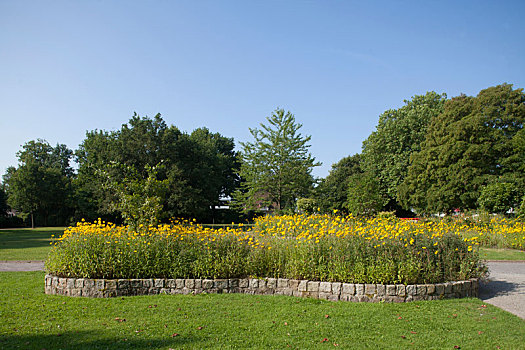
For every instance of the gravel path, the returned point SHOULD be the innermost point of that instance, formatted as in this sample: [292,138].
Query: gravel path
[21,265]
[504,289]
[506,286]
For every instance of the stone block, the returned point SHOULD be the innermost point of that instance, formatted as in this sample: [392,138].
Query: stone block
[440,289]
[294,284]
[207,284]
[198,283]
[189,283]
[325,287]
[421,289]
[354,298]
[324,295]
[348,288]
[135,283]
[62,283]
[282,283]
[179,283]
[54,282]
[448,288]
[302,286]
[401,290]
[111,284]
[457,287]
[370,289]
[431,289]
[233,283]
[297,293]
[313,286]
[244,283]
[148,283]
[254,283]
[159,283]
[364,298]
[336,288]
[220,284]
[411,289]
[121,284]
[79,283]
[359,289]
[287,291]
[170,283]
[110,293]
[380,290]
[467,285]
[314,295]
[333,297]
[262,284]
[271,283]
[391,290]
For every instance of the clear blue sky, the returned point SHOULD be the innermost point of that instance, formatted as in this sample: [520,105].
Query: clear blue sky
[71,66]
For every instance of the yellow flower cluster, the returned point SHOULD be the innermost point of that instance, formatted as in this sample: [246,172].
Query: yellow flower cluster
[302,229]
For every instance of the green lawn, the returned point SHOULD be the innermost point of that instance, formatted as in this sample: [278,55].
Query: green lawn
[501,254]
[33,320]
[27,244]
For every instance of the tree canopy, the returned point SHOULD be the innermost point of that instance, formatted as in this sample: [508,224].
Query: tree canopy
[199,168]
[276,167]
[332,192]
[471,144]
[399,133]
[41,185]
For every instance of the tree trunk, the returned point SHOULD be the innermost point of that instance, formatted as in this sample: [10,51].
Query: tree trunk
[32,221]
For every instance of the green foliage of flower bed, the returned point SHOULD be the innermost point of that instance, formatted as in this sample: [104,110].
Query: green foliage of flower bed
[296,247]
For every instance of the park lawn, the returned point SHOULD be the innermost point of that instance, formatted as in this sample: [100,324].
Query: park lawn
[33,320]
[501,254]
[26,243]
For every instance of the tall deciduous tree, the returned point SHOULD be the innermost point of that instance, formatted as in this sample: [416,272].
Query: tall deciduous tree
[399,133]
[332,192]
[41,185]
[277,166]
[471,144]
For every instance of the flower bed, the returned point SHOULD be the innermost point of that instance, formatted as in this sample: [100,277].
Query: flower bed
[313,248]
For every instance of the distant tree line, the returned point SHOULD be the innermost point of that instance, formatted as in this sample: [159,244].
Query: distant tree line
[432,155]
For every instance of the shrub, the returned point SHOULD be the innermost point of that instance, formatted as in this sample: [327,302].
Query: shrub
[498,197]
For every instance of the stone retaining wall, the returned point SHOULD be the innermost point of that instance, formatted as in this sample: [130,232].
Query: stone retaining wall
[104,288]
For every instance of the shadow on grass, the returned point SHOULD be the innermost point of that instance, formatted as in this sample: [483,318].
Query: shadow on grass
[26,238]
[493,289]
[88,340]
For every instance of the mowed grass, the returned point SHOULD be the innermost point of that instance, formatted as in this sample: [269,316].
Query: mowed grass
[33,320]
[27,244]
[501,254]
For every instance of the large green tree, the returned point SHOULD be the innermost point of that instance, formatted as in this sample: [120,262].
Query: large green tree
[471,144]
[399,133]
[332,192]
[41,185]
[199,168]
[276,167]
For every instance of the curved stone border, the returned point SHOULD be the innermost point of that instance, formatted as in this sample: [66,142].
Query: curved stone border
[104,288]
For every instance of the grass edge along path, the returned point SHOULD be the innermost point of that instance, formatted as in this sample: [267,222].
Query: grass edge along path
[31,319]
